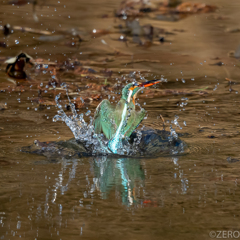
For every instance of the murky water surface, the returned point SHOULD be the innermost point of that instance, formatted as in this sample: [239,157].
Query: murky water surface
[168,197]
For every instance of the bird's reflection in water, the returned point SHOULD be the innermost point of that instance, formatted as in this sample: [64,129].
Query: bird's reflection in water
[124,174]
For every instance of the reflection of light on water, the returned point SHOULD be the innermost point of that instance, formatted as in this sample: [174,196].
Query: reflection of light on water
[184,180]
[46,205]
[59,186]
[124,178]
[18,224]
[59,180]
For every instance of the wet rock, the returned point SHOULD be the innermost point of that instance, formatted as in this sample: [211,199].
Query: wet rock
[211,136]
[153,143]
[217,64]
[70,148]
[232,160]
[161,39]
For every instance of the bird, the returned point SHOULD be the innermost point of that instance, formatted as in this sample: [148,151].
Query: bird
[118,122]
[15,67]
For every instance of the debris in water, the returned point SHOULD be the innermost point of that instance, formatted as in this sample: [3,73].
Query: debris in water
[15,67]
[232,160]
[188,7]
[7,29]
[3,106]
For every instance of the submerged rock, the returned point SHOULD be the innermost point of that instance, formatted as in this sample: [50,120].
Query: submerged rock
[153,143]
[69,148]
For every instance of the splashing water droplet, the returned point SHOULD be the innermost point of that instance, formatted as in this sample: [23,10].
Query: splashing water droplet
[88,113]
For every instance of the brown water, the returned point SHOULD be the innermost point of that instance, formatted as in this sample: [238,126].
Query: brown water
[170,197]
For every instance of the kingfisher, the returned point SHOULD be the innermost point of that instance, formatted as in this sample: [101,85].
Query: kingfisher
[118,122]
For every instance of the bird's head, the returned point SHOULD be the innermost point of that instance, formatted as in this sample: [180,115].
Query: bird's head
[129,92]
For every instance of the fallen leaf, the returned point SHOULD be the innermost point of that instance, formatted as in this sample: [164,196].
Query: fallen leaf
[188,7]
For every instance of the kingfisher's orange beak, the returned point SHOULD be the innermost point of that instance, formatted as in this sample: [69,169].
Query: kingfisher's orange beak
[149,83]
[142,85]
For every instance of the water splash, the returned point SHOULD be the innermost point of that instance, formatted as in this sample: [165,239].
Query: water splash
[143,142]
[84,132]
[173,133]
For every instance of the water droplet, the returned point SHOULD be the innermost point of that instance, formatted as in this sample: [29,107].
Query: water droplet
[16,42]
[88,113]
[18,224]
